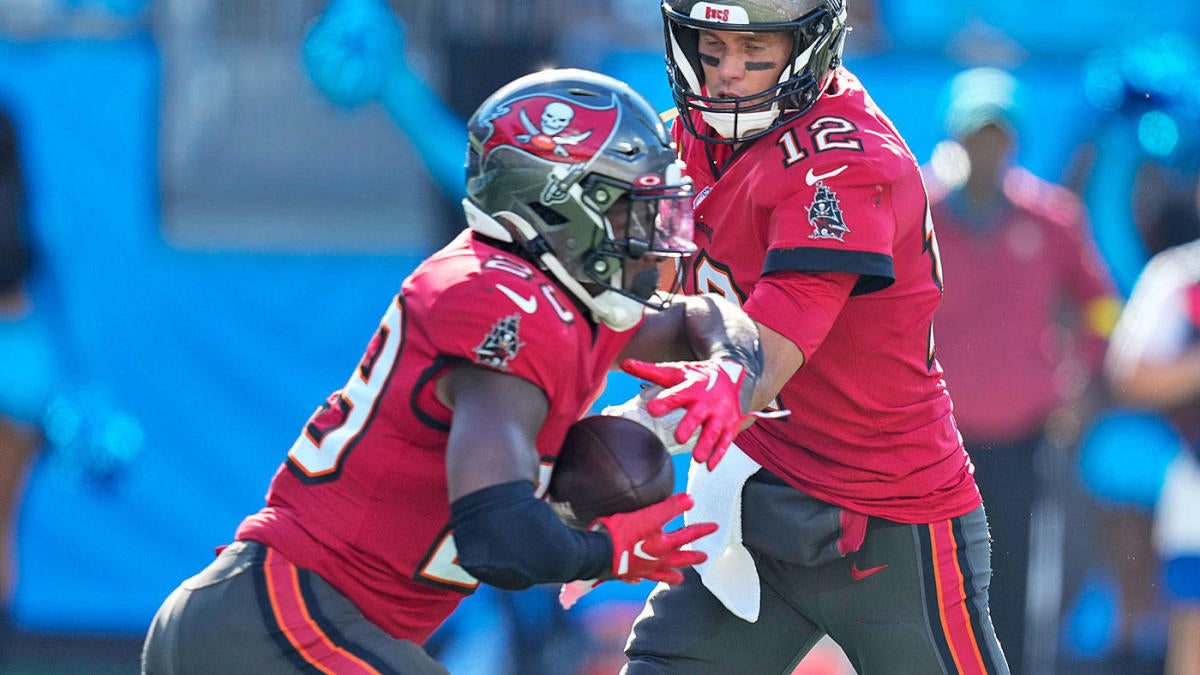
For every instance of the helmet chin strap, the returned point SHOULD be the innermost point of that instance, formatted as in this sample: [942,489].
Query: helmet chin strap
[735,125]
[483,223]
[610,307]
[614,310]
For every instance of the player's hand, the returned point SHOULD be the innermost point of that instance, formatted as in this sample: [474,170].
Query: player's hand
[663,427]
[642,550]
[710,391]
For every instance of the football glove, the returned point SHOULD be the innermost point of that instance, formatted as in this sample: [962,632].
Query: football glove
[710,391]
[663,427]
[642,550]
[572,591]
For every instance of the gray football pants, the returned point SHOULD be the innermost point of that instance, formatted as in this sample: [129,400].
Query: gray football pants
[229,620]
[912,600]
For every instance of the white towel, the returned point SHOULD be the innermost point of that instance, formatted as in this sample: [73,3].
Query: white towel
[729,573]
[663,427]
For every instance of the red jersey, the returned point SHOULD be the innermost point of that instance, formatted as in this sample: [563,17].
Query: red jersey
[1010,369]
[838,190]
[362,498]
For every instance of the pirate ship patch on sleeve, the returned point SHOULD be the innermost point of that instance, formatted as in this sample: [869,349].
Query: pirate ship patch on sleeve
[501,344]
[825,215]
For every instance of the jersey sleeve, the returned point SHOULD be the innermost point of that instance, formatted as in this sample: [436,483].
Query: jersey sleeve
[800,307]
[515,326]
[841,219]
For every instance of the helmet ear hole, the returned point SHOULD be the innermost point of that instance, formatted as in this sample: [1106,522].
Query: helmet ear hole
[548,215]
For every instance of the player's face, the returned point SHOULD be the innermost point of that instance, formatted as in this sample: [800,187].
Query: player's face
[641,273]
[742,64]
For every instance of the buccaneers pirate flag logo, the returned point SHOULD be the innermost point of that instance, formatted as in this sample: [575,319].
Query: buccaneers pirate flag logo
[551,128]
[825,215]
[501,344]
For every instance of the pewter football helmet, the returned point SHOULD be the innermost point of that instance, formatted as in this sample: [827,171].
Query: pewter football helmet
[550,158]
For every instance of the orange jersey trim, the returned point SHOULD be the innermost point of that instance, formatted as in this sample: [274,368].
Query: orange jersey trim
[295,621]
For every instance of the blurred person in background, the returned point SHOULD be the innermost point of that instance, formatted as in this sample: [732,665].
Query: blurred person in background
[1022,326]
[1153,362]
[854,515]
[421,479]
[26,367]
[1136,165]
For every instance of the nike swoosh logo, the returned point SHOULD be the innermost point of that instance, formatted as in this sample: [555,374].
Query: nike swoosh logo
[732,370]
[814,178]
[637,550]
[859,575]
[527,305]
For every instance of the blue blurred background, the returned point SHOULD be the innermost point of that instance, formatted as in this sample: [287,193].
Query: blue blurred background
[224,194]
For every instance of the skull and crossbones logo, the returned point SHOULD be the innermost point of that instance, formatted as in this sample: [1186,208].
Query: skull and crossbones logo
[555,119]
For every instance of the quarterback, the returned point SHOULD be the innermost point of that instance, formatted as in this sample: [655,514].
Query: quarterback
[855,514]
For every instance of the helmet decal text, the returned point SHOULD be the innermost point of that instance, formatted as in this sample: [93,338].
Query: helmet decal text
[708,11]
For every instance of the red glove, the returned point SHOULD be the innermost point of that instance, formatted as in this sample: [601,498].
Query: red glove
[711,393]
[642,550]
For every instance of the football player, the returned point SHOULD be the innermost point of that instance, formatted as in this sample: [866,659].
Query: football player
[421,478]
[1153,362]
[856,515]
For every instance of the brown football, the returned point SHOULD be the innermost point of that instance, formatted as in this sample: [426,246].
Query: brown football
[608,465]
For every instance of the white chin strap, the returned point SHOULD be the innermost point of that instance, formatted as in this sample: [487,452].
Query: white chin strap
[614,310]
[610,308]
[736,125]
[483,223]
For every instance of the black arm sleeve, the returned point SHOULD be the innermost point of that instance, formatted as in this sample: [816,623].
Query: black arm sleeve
[510,539]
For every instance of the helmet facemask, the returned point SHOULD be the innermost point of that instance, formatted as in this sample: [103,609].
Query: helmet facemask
[645,225]
[818,38]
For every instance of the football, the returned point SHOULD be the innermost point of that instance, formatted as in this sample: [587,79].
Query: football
[608,465]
